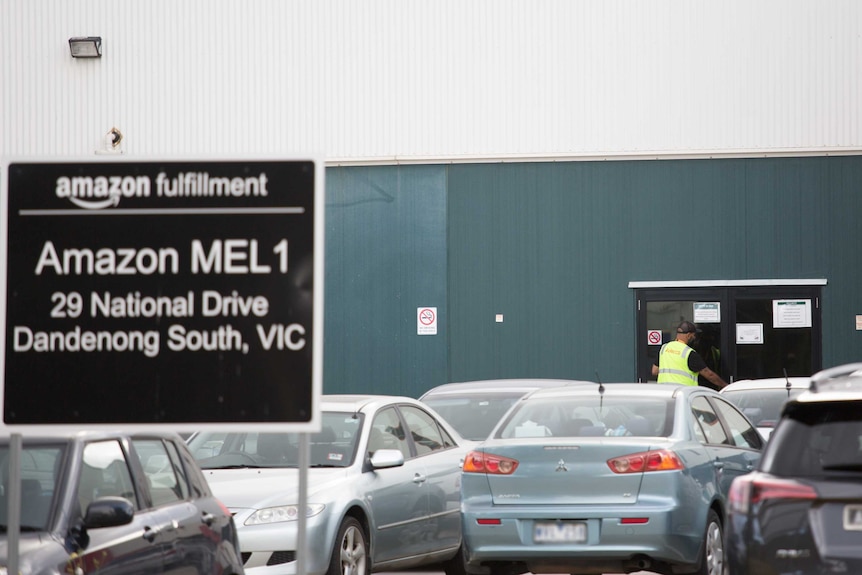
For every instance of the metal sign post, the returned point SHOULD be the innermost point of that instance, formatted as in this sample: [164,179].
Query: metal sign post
[301,539]
[13,497]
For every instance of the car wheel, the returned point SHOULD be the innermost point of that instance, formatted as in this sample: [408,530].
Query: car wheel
[457,565]
[350,553]
[712,553]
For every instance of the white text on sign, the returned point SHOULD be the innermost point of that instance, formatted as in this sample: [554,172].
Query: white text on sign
[228,256]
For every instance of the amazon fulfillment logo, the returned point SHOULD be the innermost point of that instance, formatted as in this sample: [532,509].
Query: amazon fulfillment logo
[101,192]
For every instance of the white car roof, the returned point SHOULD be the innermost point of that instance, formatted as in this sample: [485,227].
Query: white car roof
[357,402]
[768,383]
[505,386]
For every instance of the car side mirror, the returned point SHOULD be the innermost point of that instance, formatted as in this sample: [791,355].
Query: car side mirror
[102,512]
[109,512]
[384,458]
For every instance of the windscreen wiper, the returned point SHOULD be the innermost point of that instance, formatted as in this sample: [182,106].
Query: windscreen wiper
[843,467]
[236,466]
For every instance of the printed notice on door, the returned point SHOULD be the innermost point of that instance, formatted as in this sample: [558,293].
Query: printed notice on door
[791,313]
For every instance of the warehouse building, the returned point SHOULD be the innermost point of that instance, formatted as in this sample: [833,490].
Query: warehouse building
[513,189]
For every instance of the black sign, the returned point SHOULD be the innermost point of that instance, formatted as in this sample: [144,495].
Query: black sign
[161,292]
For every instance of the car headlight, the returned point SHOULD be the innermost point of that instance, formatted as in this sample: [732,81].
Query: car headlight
[282,513]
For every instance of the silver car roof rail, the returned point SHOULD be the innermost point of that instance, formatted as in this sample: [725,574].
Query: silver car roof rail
[825,375]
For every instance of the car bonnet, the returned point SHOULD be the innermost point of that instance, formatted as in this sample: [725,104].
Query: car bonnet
[258,488]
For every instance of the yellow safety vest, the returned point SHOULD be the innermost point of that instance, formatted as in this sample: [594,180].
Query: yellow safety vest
[673,364]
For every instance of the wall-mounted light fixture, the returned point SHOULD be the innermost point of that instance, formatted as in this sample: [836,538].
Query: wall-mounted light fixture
[86,47]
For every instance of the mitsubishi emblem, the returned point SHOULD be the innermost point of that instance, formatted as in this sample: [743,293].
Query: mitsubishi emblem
[561,466]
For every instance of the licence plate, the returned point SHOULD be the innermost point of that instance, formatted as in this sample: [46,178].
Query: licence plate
[853,517]
[559,532]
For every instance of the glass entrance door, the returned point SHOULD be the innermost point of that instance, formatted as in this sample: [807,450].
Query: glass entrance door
[660,312]
[790,324]
[747,332]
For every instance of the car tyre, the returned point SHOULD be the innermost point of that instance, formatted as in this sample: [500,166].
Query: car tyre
[712,552]
[350,552]
[457,565]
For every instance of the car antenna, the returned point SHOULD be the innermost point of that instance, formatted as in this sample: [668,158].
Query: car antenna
[601,386]
[787,379]
[601,391]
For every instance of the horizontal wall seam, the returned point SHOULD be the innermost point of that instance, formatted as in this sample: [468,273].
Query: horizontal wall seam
[568,157]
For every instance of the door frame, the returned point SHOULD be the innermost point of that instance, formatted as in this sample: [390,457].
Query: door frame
[726,293]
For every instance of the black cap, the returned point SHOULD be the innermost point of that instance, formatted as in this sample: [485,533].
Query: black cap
[687,327]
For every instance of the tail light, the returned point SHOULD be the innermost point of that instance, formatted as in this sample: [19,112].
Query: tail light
[487,521]
[479,462]
[634,520]
[657,460]
[746,491]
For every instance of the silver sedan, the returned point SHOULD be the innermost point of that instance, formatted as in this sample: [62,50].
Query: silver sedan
[383,489]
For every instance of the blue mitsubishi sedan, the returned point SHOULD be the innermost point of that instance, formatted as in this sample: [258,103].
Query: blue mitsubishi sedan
[606,479]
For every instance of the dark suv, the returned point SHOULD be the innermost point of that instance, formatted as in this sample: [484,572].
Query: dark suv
[801,511]
[111,502]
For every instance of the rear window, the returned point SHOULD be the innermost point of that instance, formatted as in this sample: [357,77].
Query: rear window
[472,416]
[817,440]
[593,415]
[761,406]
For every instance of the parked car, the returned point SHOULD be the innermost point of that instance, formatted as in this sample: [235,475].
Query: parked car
[606,479]
[801,511]
[761,399]
[382,489]
[475,407]
[106,502]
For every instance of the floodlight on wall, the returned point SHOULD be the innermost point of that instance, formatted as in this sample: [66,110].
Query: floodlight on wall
[86,47]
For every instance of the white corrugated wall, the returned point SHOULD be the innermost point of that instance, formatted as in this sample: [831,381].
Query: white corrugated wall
[442,80]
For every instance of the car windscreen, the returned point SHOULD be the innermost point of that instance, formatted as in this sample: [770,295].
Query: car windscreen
[473,416]
[334,446]
[761,406]
[816,440]
[589,415]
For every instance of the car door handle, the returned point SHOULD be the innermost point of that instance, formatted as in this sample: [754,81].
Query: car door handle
[418,478]
[207,518]
[150,533]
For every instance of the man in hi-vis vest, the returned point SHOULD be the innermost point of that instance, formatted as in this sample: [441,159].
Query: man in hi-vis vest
[679,363]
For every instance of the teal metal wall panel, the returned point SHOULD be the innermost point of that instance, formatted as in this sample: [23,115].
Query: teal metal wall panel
[553,247]
[529,255]
[836,243]
[385,257]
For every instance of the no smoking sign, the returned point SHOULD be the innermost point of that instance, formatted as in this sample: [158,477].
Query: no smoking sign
[654,337]
[426,321]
